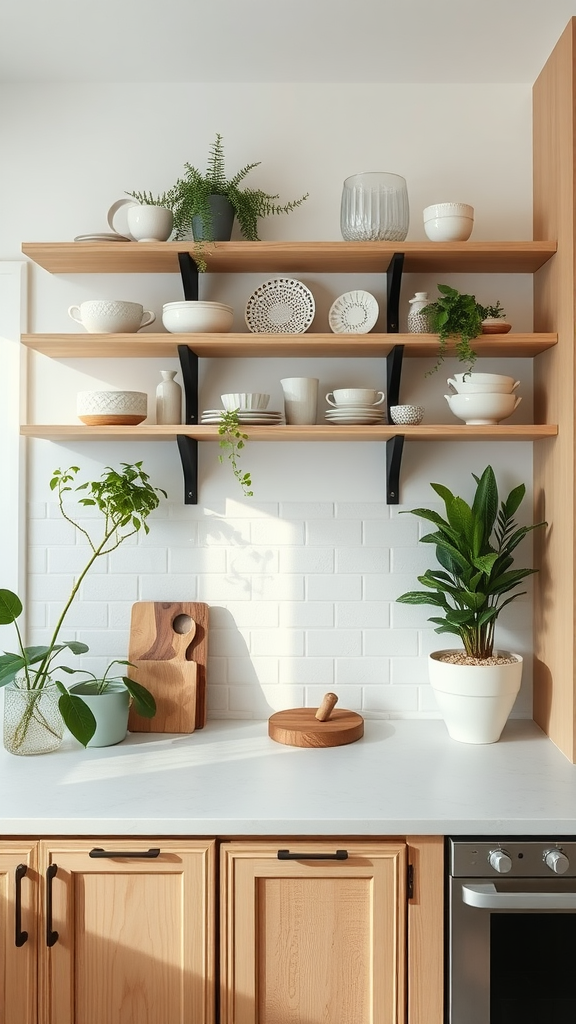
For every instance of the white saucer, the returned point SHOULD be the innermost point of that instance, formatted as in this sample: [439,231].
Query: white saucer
[104,236]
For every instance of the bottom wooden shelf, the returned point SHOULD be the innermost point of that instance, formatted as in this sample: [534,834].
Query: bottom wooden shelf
[317,432]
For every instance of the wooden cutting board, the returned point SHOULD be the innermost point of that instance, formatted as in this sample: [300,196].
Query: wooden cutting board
[169,647]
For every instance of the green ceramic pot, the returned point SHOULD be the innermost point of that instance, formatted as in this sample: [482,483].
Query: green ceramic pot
[110,709]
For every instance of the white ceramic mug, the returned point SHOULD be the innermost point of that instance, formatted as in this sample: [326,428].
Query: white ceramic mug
[300,399]
[149,223]
[354,396]
[111,316]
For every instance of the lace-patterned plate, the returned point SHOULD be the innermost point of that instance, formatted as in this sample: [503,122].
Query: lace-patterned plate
[280,306]
[353,313]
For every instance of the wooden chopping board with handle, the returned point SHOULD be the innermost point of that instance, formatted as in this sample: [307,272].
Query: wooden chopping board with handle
[169,647]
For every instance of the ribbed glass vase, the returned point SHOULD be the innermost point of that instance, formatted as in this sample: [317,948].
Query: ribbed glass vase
[32,720]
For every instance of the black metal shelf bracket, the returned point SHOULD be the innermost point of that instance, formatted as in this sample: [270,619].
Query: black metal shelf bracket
[189,274]
[188,448]
[394,447]
[189,366]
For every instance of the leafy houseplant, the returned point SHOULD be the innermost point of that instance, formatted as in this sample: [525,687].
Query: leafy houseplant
[124,499]
[474,546]
[492,312]
[459,316]
[232,441]
[192,193]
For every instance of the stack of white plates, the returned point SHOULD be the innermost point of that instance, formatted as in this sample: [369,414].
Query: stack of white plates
[355,414]
[250,417]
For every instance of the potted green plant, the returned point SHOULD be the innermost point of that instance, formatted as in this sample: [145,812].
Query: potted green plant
[454,315]
[475,687]
[37,704]
[108,698]
[208,202]
[494,319]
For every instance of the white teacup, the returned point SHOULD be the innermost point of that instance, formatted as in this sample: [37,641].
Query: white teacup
[354,396]
[111,316]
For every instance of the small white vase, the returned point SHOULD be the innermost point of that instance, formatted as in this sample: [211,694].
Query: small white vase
[475,700]
[300,399]
[418,321]
[168,399]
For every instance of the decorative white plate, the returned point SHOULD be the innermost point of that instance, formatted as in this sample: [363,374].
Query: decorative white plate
[353,313]
[103,237]
[280,306]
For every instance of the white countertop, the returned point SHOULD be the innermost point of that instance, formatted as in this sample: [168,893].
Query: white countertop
[402,777]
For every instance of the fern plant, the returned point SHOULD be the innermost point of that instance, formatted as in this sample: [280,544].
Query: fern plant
[192,192]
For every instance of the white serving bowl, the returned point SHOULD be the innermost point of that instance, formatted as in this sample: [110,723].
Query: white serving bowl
[406,414]
[485,378]
[449,222]
[193,317]
[482,409]
[465,387]
[248,400]
[111,408]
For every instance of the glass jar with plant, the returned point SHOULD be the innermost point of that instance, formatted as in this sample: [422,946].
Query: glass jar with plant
[232,441]
[124,500]
[207,202]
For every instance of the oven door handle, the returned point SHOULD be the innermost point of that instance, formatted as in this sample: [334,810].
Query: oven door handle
[486,897]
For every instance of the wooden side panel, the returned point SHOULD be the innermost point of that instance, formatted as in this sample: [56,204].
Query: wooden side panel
[554,398]
[426,931]
[135,937]
[18,964]
[310,941]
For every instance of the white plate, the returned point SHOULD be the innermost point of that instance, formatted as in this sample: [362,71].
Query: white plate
[256,422]
[366,421]
[103,237]
[353,313]
[280,306]
[371,415]
[246,413]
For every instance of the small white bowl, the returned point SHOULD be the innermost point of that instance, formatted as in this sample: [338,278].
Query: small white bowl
[197,317]
[482,409]
[355,396]
[248,400]
[465,387]
[485,378]
[406,414]
[111,408]
[449,222]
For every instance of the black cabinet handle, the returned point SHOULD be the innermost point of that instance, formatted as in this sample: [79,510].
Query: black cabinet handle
[150,854]
[51,935]
[286,855]
[20,936]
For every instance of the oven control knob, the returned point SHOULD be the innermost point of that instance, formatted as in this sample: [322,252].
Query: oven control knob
[557,861]
[500,861]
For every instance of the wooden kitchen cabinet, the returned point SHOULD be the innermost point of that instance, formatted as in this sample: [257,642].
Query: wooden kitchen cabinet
[135,934]
[18,932]
[308,940]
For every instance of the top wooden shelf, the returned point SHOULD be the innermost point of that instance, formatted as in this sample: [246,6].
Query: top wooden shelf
[292,257]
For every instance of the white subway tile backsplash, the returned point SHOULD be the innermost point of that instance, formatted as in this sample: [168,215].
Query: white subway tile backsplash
[302,600]
[335,643]
[365,560]
[36,510]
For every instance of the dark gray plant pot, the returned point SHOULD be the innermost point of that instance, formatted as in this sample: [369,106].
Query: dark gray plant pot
[222,220]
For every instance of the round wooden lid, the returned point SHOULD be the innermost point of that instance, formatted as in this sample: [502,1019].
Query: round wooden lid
[299,727]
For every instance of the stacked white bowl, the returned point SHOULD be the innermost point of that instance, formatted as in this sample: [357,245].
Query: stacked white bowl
[482,398]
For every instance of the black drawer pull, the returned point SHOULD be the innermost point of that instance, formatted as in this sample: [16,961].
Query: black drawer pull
[150,854]
[20,936]
[51,935]
[286,855]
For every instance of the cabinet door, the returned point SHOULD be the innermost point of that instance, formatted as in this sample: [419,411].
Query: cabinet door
[18,932]
[135,940]
[310,941]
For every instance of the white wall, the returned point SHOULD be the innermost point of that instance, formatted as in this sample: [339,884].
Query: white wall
[302,578]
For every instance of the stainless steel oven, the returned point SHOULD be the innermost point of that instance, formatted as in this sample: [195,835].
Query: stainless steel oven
[511,931]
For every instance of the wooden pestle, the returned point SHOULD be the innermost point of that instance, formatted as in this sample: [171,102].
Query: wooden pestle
[325,709]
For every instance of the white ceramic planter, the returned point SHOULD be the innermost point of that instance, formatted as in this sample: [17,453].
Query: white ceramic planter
[110,710]
[475,700]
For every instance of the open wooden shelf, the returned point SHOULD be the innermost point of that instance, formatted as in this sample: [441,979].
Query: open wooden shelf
[317,432]
[293,257]
[246,345]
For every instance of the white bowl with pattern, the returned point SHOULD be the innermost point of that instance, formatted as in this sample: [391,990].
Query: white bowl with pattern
[111,408]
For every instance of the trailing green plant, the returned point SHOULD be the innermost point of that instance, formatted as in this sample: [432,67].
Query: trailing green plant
[124,500]
[143,700]
[454,315]
[474,546]
[493,312]
[166,199]
[192,192]
[232,441]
